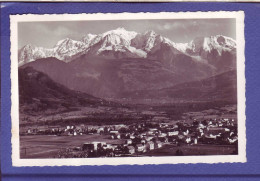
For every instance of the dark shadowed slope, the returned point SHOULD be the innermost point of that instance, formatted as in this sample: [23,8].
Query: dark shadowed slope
[222,87]
[37,92]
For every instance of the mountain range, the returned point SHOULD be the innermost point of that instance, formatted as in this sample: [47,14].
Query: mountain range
[118,63]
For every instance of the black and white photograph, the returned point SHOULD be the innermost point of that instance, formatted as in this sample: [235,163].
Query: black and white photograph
[148,88]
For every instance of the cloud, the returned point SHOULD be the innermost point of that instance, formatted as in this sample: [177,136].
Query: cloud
[62,31]
[170,26]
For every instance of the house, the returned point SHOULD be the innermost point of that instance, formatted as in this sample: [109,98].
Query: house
[162,135]
[175,126]
[150,133]
[227,130]
[150,145]
[129,141]
[113,132]
[163,139]
[173,133]
[119,126]
[215,130]
[139,148]
[141,136]
[153,129]
[100,130]
[163,125]
[113,136]
[113,146]
[220,124]
[132,137]
[67,133]
[131,149]
[212,136]
[118,136]
[188,140]
[148,138]
[232,140]
[107,146]
[88,146]
[186,132]
[143,141]
[98,145]
[181,137]
[231,133]
[201,130]
[201,126]
[29,131]
[158,144]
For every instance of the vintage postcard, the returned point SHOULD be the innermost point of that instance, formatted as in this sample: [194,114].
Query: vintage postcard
[128,88]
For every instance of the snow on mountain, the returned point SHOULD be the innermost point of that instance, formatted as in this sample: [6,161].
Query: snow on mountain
[147,61]
[87,39]
[218,51]
[182,47]
[67,48]
[115,44]
[30,53]
[120,43]
[204,45]
[121,32]
[147,41]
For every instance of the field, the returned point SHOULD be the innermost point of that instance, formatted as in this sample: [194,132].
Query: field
[170,150]
[44,146]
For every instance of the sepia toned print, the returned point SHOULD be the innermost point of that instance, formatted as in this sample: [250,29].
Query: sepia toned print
[98,89]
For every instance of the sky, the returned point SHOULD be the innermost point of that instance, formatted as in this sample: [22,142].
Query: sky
[47,34]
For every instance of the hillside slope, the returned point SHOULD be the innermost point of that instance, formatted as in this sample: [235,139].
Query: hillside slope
[38,93]
[112,78]
[222,87]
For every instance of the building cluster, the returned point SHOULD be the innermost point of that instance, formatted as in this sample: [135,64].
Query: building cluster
[140,138]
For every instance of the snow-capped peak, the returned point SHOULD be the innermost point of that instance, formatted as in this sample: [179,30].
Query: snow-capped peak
[28,46]
[62,41]
[127,35]
[150,33]
[122,43]
[30,53]
[88,38]
[225,41]
[218,42]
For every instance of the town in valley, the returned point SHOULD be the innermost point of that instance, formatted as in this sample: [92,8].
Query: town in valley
[206,132]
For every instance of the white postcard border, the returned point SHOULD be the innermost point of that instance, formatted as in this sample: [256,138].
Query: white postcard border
[241,157]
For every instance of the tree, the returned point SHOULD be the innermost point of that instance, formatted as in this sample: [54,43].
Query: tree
[179,152]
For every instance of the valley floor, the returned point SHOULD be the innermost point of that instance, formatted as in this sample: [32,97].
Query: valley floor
[39,146]
[207,132]
[47,146]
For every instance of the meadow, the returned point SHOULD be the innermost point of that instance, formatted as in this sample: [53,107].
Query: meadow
[192,150]
[47,146]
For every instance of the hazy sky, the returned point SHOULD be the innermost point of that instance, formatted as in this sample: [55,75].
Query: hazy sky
[46,34]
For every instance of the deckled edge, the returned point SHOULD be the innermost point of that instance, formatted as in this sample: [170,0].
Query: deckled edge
[240,158]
